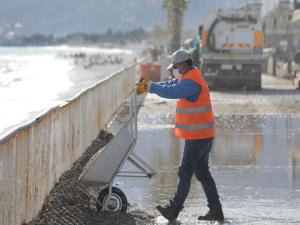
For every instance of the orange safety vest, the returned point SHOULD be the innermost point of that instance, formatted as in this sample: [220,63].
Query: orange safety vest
[195,120]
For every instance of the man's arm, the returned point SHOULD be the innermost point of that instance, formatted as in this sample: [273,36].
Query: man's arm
[169,82]
[186,88]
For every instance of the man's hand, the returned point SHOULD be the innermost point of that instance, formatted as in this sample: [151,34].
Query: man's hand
[142,87]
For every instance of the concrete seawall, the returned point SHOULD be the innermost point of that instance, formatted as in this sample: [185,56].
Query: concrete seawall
[33,157]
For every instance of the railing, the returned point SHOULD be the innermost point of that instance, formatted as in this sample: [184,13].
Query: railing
[33,157]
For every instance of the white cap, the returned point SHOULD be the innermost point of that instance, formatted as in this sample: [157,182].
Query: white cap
[178,57]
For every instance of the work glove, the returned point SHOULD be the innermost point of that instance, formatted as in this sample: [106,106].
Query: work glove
[142,87]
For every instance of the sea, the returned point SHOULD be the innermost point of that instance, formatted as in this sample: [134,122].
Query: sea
[32,79]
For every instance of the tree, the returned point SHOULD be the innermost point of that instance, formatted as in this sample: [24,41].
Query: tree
[175,10]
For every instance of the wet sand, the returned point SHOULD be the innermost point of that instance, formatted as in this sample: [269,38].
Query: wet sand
[82,76]
[67,204]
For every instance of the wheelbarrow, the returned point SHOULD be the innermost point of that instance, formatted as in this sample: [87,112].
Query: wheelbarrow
[106,164]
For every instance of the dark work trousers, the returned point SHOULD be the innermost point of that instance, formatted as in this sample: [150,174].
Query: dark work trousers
[195,161]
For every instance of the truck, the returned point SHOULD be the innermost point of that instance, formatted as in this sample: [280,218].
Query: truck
[232,48]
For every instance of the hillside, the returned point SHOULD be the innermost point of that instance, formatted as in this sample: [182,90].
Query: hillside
[60,17]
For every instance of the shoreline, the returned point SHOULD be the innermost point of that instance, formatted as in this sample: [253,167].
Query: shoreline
[79,79]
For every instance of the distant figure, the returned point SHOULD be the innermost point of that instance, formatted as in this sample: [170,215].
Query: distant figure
[293,77]
[155,52]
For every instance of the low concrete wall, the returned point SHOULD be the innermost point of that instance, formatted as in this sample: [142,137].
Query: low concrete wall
[33,157]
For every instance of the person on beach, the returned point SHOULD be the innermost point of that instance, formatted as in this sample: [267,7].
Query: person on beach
[294,77]
[194,124]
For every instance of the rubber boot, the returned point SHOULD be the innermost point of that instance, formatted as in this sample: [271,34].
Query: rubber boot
[213,216]
[170,211]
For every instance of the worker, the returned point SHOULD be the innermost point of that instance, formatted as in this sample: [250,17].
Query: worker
[194,124]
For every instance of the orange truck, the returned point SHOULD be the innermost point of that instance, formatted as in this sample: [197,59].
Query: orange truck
[232,48]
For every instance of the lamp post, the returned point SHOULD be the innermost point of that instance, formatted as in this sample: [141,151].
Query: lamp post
[274,45]
[290,44]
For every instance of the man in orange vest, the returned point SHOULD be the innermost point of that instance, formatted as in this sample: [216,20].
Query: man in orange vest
[194,124]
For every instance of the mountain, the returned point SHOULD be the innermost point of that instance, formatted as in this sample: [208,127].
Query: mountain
[60,17]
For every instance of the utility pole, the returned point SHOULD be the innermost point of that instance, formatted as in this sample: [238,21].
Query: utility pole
[274,44]
[290,44]
[286,6]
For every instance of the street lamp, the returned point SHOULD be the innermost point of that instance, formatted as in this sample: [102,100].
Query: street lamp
[286,4]
[290,44]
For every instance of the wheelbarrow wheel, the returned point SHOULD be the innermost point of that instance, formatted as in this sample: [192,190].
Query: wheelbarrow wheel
[117,202]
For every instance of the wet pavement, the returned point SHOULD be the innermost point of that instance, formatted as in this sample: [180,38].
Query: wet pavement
[255,159]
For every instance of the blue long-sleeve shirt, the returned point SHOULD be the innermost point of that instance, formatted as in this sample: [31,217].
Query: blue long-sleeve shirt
[173,89]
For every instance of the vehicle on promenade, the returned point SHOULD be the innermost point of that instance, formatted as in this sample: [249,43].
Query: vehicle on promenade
[232,48]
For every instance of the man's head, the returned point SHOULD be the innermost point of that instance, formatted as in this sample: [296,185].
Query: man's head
[180,60]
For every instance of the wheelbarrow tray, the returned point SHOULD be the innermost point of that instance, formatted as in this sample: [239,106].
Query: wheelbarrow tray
[104,166]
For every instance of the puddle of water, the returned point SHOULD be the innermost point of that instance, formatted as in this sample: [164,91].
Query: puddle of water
[255,161]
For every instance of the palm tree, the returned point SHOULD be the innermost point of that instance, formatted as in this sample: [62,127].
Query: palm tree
[175,10]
